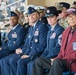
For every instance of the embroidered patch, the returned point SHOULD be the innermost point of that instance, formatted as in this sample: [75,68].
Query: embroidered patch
[36,33]
[14,35]
[53,35]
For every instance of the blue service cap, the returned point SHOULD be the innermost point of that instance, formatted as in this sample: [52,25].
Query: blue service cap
[13,14]
[31,10]
[64,4]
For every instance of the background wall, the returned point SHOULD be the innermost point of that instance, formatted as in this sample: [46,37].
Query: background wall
[53,2]
[36,2]
[47,2]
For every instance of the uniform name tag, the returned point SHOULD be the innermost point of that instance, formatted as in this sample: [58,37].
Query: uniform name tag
[74,45]
[14,35]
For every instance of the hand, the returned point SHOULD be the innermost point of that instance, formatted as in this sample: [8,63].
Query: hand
[18,51]
[25,56]
[52,61]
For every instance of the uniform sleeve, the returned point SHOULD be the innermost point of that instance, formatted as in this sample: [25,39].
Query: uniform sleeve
[60,53]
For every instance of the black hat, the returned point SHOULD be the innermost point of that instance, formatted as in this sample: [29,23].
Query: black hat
[51,11]
[59,11]
[31,10]
[13,14]
[64,4]
[74,2]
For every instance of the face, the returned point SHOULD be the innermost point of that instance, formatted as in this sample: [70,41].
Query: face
[42,14]
[62,15]
[21,15]
[74,5]
[64,9]
[52,20]
[72,20]
[33,17]
[26,19]
[13,21]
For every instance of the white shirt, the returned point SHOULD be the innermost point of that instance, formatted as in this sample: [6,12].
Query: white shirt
[52,27]
[34,24]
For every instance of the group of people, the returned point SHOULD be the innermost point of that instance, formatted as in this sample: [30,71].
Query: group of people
[45,43]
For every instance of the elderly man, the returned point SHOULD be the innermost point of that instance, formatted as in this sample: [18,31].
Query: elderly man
[15,37]
[68,47]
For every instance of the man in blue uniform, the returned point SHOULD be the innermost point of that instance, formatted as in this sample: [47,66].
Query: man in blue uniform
[53,43]
[35,43]
[15,36]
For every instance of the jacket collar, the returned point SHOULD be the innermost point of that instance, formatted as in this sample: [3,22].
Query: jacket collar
[56,26]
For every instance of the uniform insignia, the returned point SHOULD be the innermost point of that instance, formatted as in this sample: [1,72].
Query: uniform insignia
[29,36]
[36,40]
[8,44]
[59,39]
[74,46]
[15,32]
[14,42]
[48,11]
[53,35]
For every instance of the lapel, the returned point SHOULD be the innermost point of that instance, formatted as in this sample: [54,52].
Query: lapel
[50,33]
[54,30]
[65,38]
[16,29]
[13,30]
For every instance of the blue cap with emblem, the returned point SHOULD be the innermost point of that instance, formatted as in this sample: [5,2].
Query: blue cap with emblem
[31,10]
[51,11]
[40,9]
[64,4]
[13,14]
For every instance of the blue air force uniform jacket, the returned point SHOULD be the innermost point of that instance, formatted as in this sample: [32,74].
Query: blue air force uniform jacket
[53,42]
[36,41]
[15,38]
